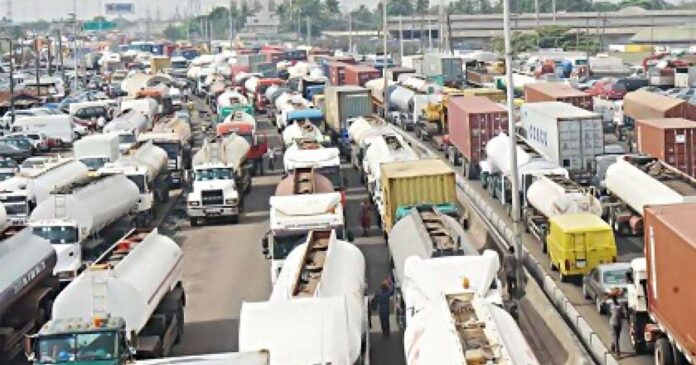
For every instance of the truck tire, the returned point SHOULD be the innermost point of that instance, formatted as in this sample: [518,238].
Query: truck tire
[194,222]
[180,327]
[636,326]
[663,352]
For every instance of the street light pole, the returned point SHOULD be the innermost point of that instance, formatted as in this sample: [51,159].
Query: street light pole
[75,43]
[12,86]
[60,56]
[385,102]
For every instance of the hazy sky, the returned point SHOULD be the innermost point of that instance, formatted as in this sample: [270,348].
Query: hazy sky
[24,10]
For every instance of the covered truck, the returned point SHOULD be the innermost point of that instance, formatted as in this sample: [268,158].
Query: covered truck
[302,130]
[342,104]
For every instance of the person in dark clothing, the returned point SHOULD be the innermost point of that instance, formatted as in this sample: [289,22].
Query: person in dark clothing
[509,270]
[365,216]
[381,301]
[617,314]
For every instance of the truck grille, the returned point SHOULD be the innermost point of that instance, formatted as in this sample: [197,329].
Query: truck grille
[212,197]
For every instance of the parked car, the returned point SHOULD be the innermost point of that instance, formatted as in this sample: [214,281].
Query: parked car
[34,162]
[608,89]
[8,150]
[19,142]
[8,168]
[37,139]
[605,280]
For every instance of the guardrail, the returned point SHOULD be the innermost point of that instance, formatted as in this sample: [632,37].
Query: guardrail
[504,236]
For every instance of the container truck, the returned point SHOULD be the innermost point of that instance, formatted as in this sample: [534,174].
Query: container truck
[312,85]
[647,105]
[343,103]
[423,232]
[360,74]
[80,218]
[324,160]
[221,177]
[567,135]
[388,147]
[471,122]
[22,193]
[121,308]
[551,195]
[292,217]
[337,73]
[547,91]
[26,291]
[455,314]
[146,167]
[319,298]
[672,140]
[363,131]
[636,181]
[444,69]
[244,125]
[414,62]
[660,290]
[96,150]
[404,184]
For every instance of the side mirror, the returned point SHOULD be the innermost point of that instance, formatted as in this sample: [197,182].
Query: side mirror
[29,348]
[350,236]
[264,246]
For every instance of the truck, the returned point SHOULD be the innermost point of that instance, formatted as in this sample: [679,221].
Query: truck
[647,105]
[444,69]
[636,181]
[672,140]
[58,127]
[260,100]
[388,147]
[471,122]
[244,125]
[551,195]
[175,143]
[121,308]
[311,114]
[455,314]
[555,91]
[405,184]
[401,106]
[362,131]
[27,289]
[230,101]
[128,126]
[342,104]
[148,107]
[225,358]
[287,103]
[146,167]
[567,135]
[221,177]
[319,297]
[21,193]
[311,85]
[81,218]
[292,217]
[302,130]
[423,232]
[97,149]
[659,288]
[324,160]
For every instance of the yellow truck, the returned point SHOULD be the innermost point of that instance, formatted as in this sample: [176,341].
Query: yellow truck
[159,64]
[406,184]
[578,242]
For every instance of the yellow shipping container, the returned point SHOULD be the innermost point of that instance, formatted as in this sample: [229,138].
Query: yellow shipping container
[159,63]
[494,94]
[579,242]
[415,182]
[638,48]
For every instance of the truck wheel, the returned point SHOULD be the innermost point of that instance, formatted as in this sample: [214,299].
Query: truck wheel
[234,219]
[636,326]
[180,327]
[663,352]
[563,278]
[194,222]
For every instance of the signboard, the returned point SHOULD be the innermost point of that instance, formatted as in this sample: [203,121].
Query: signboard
[98,26]
[120,8]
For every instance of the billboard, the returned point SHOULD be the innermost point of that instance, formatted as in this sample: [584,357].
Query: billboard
[120,8]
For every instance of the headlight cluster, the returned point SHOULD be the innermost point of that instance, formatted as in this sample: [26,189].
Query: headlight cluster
[233,201]
[193,203]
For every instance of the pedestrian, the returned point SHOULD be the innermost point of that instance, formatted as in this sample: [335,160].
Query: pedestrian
[617,314]
[366,215]
[270,155]
[509,271]
[382,302]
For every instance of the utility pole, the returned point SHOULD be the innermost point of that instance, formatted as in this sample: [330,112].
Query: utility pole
[231,24]
[37,62]
[75,43]
[12,86]
[60,56]
[514,189]
[9,11]
[350,32]
[441,22]
[308,20]
[536,12]
[385,101]
[401,40]
[430,36]
[553,10]
[50,55]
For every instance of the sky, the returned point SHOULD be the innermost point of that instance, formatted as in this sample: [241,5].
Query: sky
[27,10]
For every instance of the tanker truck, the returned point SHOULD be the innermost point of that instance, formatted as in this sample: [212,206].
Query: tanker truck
[309,154]
[128,126]
[317,311]
[27,289]
[221,176]
[225,358]
[230,102]
[120,308]
[552,195]
[305,131]
[244,125]
[634,182]
[146,167]
[174,139]
[386,148]
[76,218]
[97,149]
[495,170]
[363,131]
[453,319]
[23,192]
[287,103]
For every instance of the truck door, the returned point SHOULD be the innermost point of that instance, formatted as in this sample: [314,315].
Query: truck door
[579,250]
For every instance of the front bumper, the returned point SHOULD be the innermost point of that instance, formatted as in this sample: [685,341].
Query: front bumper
[212,211]
[17,221]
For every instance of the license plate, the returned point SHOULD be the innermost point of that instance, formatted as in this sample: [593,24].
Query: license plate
[580,264]
[213,211]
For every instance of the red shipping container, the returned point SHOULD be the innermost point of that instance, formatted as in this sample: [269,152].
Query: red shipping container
[672,140]
[472,121]
[670,253]
[337,73]
[547,91]
[359,75]
[345,59]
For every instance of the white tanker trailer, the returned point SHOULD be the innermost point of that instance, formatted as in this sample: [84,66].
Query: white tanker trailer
[389,147]
[636,181]
[173,137]
[128,126]
[363,131]
[317,312]
[552,195]
[76,217]
[122,302]
[303,130]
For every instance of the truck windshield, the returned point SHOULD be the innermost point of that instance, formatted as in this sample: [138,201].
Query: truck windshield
[139,181]
[126,138]
[16,208]
[284,244]
[178,65]
[94,163]
[95,346]
[6,175]
[172,149]
[57,234]
[213,174]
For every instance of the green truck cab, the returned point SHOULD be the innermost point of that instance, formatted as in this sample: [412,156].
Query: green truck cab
[231,109]
[449,209]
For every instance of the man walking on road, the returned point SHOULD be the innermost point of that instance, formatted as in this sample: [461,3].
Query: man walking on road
[381,301]
[365,215]
[509,271]
[617,314]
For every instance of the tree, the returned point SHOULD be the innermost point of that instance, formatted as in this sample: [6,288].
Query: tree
[399,7]
[332,6]
[365,18]
[422,6]
[173,33]
[256,6]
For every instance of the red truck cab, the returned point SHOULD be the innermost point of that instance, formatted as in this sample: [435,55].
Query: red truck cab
[260,100]
[258,142]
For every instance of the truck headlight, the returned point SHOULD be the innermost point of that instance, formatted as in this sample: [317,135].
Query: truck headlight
[233,201]
[193,203]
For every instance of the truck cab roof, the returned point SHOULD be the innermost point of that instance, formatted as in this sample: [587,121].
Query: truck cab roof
[80,325]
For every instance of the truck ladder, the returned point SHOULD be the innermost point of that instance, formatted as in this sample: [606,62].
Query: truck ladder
[303,181]
[99,291]
[312,265]
[440,236]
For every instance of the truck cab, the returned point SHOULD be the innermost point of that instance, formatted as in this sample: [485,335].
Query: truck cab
[214,193]
[258,142]
[151,188]
[177,152]
[65,237]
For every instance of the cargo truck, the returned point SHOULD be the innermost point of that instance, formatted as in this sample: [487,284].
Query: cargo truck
[319,298]
[344,103]
[27,289]
[22,193]
[565,134]
[360,74]
[77,218]
[634,182]
[547,91]
[121,308]
[388,147]
[647,105]
[244,125]
[672,140]
[660,287]
[96,150]
[444,69]
[221,178]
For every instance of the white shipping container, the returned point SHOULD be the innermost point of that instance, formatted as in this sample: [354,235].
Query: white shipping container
[565,134]
[414,62]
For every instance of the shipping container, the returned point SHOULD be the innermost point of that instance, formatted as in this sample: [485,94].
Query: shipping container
[449,68]
[670,252]
[337,73]
[481,77]
[672,140]
[647,105]
[407,183]
[415,62]
[471,122]
[546,91]
[359,75]
[565,134]
[343,103]
[491,93]
[393,73]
